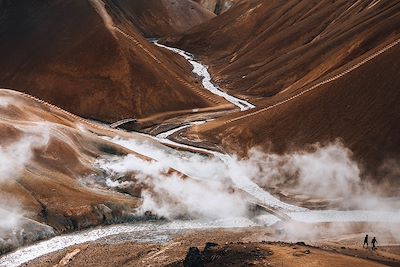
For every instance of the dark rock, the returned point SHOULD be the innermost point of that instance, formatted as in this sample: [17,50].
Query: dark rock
[193,258]
[210,245]
[26,233]
[301,243]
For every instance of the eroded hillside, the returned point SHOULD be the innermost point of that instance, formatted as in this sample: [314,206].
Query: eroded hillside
[90,58]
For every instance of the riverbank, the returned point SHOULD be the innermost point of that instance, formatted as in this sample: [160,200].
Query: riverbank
[237,247]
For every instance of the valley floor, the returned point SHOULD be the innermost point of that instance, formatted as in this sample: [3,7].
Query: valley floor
[236,247]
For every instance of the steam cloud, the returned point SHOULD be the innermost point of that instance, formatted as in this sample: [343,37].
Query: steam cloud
[327,171]
[14,158]
[323,171]
[171,195]
[4,102]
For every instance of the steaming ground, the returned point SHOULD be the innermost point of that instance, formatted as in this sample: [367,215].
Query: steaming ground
[164,232]
[325,172]
[322,172]
[14,158]
[208,189]
[216,182]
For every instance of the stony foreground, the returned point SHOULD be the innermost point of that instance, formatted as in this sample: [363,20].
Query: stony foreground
[225,248]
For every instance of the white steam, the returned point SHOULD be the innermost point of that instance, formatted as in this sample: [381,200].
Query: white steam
[14,158]
[171,195]
[326,171]
[10,215]
[5,101]
[211,191]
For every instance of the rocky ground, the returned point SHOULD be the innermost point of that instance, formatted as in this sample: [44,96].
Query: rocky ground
[251,247]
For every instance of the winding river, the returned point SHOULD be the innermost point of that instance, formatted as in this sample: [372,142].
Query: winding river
[202,71]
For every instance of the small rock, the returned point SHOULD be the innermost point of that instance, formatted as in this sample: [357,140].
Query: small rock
[210,245]
[193,258]
[307,251]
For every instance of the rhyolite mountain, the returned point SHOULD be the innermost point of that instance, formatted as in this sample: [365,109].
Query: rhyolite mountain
[217,6]
[91,57]
[275,51]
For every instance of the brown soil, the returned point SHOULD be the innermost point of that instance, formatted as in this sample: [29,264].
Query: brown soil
[155,18]
[50,188]
[260,48]
[276,51]
[217,6]
[234,249]
[65,54]
[361,108]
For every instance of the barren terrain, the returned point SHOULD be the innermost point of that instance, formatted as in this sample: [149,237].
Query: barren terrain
[199,133]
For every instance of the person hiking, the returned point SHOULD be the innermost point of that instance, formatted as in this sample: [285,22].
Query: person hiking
[365,241]
[374,241]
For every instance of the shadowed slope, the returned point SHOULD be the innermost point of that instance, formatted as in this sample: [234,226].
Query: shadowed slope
[261,48]
[68,54]
[156,18]
[217,6]
[361,108]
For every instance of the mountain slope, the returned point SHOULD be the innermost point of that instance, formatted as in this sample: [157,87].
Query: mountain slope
[156,18]
[318,71]
[217,6]
[260,48]
[46,155]
[70,54]
[361,108]
[50,178]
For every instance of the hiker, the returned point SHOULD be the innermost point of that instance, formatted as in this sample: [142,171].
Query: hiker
[365,241]
[374,241]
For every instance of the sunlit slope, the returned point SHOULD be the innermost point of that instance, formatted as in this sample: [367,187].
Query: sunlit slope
[49,175]
[49,152]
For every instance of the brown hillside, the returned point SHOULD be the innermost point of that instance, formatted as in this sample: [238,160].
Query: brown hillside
[361,107]
[260,48]
[156,18]
[217,6]
[70,54]
[53,156]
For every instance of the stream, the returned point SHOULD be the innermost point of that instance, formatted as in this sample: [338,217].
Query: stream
[202,71]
